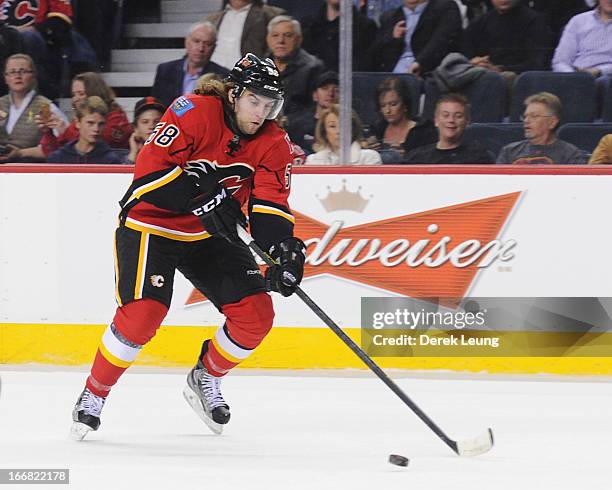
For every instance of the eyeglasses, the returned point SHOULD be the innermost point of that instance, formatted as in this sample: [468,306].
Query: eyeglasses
[526,117]
[21,72]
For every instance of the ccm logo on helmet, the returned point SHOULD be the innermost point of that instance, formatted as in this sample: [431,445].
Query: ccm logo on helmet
[212,204]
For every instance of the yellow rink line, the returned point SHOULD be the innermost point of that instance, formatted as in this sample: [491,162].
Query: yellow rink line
[284,348]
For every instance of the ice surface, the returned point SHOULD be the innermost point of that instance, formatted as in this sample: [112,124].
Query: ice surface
[304,431]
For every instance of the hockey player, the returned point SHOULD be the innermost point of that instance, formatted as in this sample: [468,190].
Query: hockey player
[211,153]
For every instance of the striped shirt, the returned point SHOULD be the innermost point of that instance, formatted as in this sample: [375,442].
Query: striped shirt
[586,43]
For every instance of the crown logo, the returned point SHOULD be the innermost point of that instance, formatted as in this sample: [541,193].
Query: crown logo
[344,199]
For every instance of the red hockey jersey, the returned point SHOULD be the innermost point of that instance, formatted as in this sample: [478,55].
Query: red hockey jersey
[191,149]
[22,13]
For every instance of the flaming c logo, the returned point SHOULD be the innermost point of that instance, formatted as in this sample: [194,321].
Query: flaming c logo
[430,254]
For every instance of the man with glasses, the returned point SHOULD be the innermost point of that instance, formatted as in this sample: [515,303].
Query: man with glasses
[540,121]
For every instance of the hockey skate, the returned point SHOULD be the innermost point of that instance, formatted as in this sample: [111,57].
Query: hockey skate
[86,414]
[203,393]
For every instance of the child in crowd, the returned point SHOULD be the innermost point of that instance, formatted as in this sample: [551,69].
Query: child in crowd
[147,113]
[88,148]
[117,130]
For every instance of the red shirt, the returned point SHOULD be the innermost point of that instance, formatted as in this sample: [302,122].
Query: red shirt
[193,138]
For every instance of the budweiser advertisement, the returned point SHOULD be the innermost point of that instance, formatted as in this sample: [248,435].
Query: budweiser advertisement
[436,253]
[368,235]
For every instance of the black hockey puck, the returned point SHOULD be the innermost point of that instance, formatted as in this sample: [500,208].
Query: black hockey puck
[398,460]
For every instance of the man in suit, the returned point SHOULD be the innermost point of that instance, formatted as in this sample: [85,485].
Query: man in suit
[298,68]
[417,36]
[178,77]
[322,35]
[242,28]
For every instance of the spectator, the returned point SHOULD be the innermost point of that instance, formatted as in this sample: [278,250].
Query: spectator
[416,37]
[398,133]
[117,130]
[99,23]
[48,36]
[586,42]
[298,69]
[509,39]
[178,77]
[322,36]
[541,118]
[147,113]
[603,153]
[328,141]
[10,43]
[451,118]
[89,147]
[242,27]
[558,12]
[19,133]
[301,125]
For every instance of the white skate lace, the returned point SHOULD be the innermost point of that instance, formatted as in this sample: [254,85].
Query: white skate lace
[211,388]
[91,404]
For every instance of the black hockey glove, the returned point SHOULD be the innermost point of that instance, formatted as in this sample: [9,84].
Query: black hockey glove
[219,212]
[286,276]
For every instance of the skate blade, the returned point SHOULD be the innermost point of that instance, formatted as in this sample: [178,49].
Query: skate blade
[196,404]
[78,431]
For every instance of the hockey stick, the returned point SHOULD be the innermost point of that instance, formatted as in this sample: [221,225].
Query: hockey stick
[470,447]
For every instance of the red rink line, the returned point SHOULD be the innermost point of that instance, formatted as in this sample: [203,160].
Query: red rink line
[355,169]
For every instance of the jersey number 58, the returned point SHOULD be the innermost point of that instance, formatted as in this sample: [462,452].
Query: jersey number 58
[163,138]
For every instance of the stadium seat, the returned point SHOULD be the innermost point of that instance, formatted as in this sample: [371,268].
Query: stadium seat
[494,136]
[487,96]
[585,136]
[607,103]
[298,9]
[364,94]
[576,91]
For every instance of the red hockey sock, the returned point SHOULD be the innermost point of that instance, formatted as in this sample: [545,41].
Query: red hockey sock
[248,322]
[133,326]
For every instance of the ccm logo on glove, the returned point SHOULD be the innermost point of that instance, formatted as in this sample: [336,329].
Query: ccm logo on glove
[212,204]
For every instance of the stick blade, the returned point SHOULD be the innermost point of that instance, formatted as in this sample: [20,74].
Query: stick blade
[474,447]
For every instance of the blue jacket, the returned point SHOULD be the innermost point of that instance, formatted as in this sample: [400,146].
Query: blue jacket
[101,153]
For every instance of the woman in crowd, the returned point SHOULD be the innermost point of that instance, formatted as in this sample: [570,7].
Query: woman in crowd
[603,153]
[117,131]
[19,133]
[397,133]
[147,113]
[327,141]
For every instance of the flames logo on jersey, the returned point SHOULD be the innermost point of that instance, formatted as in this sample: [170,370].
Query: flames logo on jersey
[18,13]
[232,176]
[21,13]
